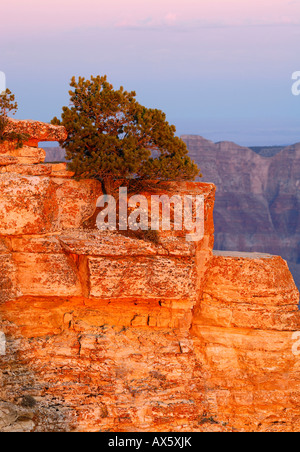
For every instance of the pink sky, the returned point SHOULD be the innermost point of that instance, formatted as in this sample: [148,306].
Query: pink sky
[35,15]
[212,65]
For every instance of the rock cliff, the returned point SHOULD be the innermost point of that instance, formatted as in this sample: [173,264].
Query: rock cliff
[110,333]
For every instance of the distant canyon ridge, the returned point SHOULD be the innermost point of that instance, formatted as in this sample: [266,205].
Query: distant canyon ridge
[257,199]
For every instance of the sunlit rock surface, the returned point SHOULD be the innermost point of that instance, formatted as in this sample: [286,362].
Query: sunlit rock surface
[106,332]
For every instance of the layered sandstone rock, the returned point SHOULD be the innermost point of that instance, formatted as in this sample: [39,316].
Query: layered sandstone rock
[37,131]
[243,340]
[105,332]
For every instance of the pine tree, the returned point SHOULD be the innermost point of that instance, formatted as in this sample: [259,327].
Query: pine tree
[111,136]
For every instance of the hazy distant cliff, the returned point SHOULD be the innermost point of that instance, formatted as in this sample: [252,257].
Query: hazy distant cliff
[55,154]
[257,200]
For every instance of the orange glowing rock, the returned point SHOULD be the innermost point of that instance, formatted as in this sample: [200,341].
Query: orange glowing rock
[106,332]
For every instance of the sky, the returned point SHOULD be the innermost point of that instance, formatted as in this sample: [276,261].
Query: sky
[221,69]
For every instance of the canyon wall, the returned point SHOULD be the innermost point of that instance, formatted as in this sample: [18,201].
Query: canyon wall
[257,198]
[106,332]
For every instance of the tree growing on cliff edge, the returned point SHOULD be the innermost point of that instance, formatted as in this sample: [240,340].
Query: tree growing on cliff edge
[111,136]
[8,105]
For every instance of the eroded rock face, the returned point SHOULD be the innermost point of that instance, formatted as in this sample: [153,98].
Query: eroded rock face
[37,131]
[243,339]
[106,332]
